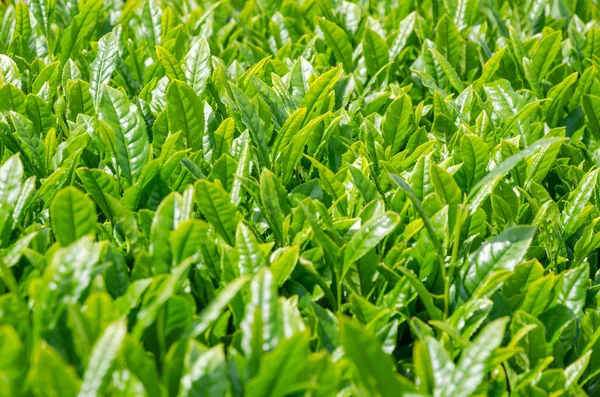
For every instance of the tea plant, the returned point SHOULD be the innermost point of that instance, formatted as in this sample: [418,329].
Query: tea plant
[299,198]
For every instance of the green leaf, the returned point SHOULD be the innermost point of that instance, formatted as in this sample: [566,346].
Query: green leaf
[465,12]
[141,365]
[396,122]
[319,90]
[11,180]
[80,99]
[405,30]
[370,234]
[541,163]
[375,51]
[433,365]
[490,67]
[426,297]
[40,113]
[370,364]
[73,215]
[207,374]
[186,113]
[486,185]
[273,197]
[80,28]
[251,257]
[473,363]
[104,65]
[502,252]
[284,262]
[330,183]
[49,76]
[559,95]
[212,312]
[571,288]
[197,66]
[364,184]
[34,145]
[591,107]
[445,186]
[50,374]
[338,41]
[214,203]
[131,144]
[574,371]
[538,296]
[401,183]
[447,40]
[169,214]
[99,185]
[9,71]
[448,70]
[261,325]
[578,199]
[252,121]
[104,353]
[185,240]
[282,368]
[543,57]
[42,11]
[170,64]
[475,157]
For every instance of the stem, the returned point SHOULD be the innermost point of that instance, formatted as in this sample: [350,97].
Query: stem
[454,258]
[339,295]
[160,331]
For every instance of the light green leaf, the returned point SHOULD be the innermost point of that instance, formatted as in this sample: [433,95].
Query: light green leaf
[34,145]
[405,30]
[396,122]
[282,368]
[273,197]
[186,113]
[170,64]
[473,364]
[99,185]
[591,107]
[78,31]
[485,186]
[370,364]
[475,157]
[80,99]
[104,65]
[375,51]
[11,180]
[543,58]
[370,234]
[338,41]
[578,200]
[197,66]
[252,121]
[574,371]
[100,361]
[502,252]
[448,70]
[73,215]
[445,185]
[131,144]
[572,286]
[214,203]
[212,312]
[251,258]
[447,40]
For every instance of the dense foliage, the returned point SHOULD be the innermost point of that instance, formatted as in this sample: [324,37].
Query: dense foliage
[300,198]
